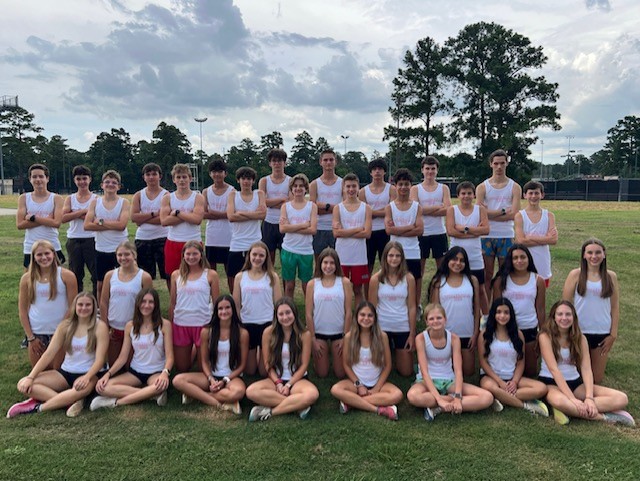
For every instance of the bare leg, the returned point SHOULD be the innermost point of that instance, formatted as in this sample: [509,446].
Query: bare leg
[346,392]
[474,398]
[598,364]
[321,360]
[419,396]
[531,359]
[404,362]
[489,262]
[183,358]
[468,362]
[336,359]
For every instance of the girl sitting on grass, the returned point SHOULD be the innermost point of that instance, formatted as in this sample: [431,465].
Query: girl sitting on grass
[367,362]
[286,351]
[224,348]
[148,337]
[566,369]
[85,342]
[439,386]
[501,350]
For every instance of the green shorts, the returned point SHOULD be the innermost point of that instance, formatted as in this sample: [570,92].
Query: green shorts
[442,385]
[302,263]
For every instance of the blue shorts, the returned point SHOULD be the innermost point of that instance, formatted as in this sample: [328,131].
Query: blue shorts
[496,246]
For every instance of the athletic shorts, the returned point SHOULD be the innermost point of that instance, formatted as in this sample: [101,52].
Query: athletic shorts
[255,334]
[70,377]
[116,335]
[45,339]
[217,255]
[358,275]
[530,335]
[300,263]
[322,240]
[105,262]
[595,339]
[436,244]
[375,245]
[329,337]
[496,246]
[271,236]
[464,342]
[186,335]
[479,275]
[573,383]
[235,261]
[397,340]
[546,283]
[150,254]
[414,267]
[27,259]
[172,254]
[443,385]
[143,378]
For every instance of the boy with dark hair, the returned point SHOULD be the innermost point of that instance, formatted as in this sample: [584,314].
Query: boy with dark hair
[326,192]
[81,245]
[276,191]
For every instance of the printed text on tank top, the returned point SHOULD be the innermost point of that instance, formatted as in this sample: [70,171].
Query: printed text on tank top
[445,358]
[454,281]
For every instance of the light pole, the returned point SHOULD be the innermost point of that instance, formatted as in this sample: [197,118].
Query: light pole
[8,101]
[541,158]
[569,137]
[345,137]
[201,121]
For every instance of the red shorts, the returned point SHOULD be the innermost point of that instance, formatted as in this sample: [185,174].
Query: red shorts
[358,275]
[547,282]
[186,335]
[172,254]
[116,335]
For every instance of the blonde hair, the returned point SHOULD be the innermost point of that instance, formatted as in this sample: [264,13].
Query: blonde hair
[70,325]
[35,273]
[352,351]
[401,271]
[267,266]
[130,246]
[184,267]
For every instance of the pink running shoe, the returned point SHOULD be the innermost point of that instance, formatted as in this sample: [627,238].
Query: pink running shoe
[390,412]
[25,407]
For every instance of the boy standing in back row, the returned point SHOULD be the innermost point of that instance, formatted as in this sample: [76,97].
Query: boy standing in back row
[326,192]
[276,193]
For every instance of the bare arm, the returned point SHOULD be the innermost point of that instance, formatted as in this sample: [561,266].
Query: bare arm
[541,290]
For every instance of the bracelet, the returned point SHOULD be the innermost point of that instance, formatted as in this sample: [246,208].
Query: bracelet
[588,397]
[226,380]
[288,385]
[457,395]
[30,377]
[31,339]
[166,371]
[108,372]
[210,378]
[279,381]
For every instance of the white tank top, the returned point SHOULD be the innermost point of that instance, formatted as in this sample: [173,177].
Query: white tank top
[523,299]
[122,299]
[148,356]
[76,226]
[245,233]
[432,225]
[439,361]
[46,315]
[377,202]
[403,218]
[328,194]
[151,231]
[184,231]
[352,251]
[109,240]
[393,313]
[472,245]
[276,191]
[594,312]
[41,232]
[458,305]
[193,302]
[502,358]
[328,307]
[257,299]
[365,370]
[222,368]
[294,242]
[218,231]
[566,366]
[496,199]
[286,357]
[541,254]
[79,361]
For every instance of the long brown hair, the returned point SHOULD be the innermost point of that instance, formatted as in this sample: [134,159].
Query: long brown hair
[384,265]
[605,277]
[156,316]
[71,324]
[234,333]
[575,334]
[35,273]
[352,352]
[274,359]
[267,266]
[184,267]
[327,252]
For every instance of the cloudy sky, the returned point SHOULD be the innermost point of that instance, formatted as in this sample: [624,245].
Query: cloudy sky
[252,67]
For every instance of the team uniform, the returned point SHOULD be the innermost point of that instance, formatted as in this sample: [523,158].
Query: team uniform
[41,232]
[458,305]
[523,299]
[501,233]
[328,310]
[472,246]
[217,236]
[434,238]
[46,314]
[179,234]
[150,238]
[297,249]
[439,363]
[327,194]
[257,306]
[122,299]
[107,241]
[594,313]
[393,312]
[270,227]
[567,368]
[365,370]
[379,238]
[222,367]
[192,310]
[502,358]
[410,245]
[148,356]
[353,251]
[77,363]
[81,244]
[243,234]
[541,254]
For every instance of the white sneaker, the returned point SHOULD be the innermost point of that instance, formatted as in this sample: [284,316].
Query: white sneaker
[102,402]
[497,406]
[75,408]
[162,399]
[186,399]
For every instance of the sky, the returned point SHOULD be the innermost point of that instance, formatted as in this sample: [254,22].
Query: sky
[252,67]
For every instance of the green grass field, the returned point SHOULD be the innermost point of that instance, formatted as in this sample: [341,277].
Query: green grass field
[195,442]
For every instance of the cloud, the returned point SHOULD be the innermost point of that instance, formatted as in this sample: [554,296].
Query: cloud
[602,5]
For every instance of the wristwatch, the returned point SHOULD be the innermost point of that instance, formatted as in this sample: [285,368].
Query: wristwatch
[101,222]
[504,211]
[466,229]
[177,212]
[327,207]
[456,395]
[357,383]
[32,218]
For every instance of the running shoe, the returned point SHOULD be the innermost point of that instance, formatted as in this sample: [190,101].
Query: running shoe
[497,406]
[560,417]
[24,344]
[76,408]
[344,408]
[27,406]
[102,402]
[536,407]
[232,407]
[431,413]
[390,412]
[162,399]
[304,414]
[186,399]
[259,413]
[620,417]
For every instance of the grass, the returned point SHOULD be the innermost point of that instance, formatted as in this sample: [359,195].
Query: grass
[194,442]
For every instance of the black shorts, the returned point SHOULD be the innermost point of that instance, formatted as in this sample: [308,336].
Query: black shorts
[150,254]
[436,244]
[530,335]
[397,340]
[105,262]
[235,261]
[595,339]
[479,275]
[464,342]
[143,378]
[573,384]
[70,377]
[329,337]
[255,334]
[271,236]
[376,244]
[322,240]
[414,267]
[217,255]
[27,259]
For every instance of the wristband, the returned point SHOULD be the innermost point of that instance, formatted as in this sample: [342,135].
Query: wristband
[31,339]
[226,380]
[279,381]
[288,386]
[166,371]
[466,229]
[101,222]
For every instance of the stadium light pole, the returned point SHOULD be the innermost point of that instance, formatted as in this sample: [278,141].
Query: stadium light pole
[345,137]
[7,101]
[201,121]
